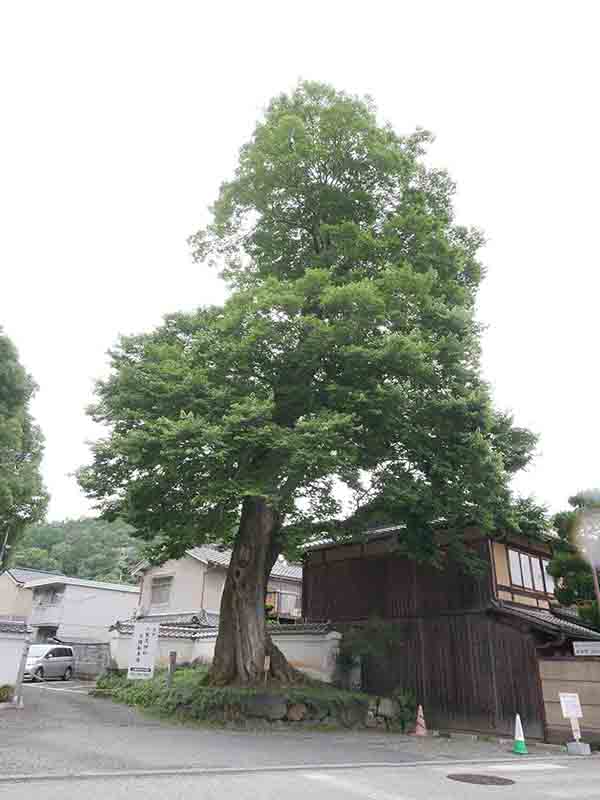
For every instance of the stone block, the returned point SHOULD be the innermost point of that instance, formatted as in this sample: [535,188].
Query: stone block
[578,749]
[266,706]
[353,716]
[317,713]
[387,708]
[296,712]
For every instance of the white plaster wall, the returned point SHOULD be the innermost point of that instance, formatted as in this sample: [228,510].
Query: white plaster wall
[314,654]
[121,650]
[88,613]
[213,590]
[11,650]
[186,587]
[15,601]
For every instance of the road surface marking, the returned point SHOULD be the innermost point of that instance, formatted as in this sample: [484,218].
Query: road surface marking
[61,689]
[352,787]
[524,767]
[507,767]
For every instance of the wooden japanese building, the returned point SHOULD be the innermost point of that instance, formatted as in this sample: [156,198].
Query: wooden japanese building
[471,648]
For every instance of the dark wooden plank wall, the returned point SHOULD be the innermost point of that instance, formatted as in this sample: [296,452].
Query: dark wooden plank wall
[470,672]
[389,586]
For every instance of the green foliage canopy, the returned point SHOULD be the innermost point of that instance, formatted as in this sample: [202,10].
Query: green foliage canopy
[576,547]
[347,354]
[22,496]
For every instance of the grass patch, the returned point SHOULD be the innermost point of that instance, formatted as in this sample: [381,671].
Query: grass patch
[190,698]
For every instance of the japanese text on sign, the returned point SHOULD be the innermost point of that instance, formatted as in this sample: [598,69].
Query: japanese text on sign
[571,707]
[144,650]
[586,648]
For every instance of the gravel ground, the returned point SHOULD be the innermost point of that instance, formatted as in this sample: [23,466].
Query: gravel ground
[63,730]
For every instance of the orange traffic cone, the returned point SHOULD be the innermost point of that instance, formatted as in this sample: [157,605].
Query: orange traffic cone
[421,728]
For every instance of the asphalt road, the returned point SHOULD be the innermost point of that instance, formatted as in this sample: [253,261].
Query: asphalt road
[551,780]
[62,736]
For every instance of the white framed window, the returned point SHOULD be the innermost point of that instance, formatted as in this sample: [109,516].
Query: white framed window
[530,572]
[515,568]
[526,571]
[160,590]
[289,604]
[550,585]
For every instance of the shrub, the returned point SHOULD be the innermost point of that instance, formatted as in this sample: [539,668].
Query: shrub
[407,708]
[376,638]
[6,693]
[191,698]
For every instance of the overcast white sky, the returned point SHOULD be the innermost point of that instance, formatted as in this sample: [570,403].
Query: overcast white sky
[120,119]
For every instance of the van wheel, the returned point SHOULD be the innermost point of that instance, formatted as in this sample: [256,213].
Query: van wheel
[39,674]
[68,674]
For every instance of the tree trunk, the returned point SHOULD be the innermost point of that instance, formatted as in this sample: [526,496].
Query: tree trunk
[242,642]
[596,584]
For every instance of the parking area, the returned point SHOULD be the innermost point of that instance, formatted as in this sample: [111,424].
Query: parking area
[58,685]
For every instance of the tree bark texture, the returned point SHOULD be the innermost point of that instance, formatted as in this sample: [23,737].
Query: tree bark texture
[242,642]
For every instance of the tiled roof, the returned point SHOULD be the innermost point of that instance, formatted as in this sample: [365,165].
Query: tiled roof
[25,574]
[205,619]
[550,620]
[211,555]
[181,631]
[8,626]
[368,535]
[171,630]
[298,628]
[386,531]
[52,580]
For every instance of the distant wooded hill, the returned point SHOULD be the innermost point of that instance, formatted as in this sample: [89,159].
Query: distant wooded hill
[82,548]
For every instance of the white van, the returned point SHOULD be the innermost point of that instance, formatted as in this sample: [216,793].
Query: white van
[49,661]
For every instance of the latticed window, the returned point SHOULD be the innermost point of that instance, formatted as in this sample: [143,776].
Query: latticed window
[161,589]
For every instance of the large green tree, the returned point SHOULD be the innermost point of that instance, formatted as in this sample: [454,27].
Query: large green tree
[576,557]
[82,548]
[22,496]
[338,385]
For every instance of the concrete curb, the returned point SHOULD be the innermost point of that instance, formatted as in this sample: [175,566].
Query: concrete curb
[211,771]
[501,740]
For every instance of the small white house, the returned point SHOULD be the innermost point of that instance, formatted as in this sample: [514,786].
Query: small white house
[73,609]
[191,587]
[15,599]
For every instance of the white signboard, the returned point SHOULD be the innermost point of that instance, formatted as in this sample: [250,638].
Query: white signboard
[143,650]
[571,707]
[586,648]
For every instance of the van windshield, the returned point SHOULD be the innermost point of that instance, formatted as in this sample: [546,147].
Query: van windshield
[37,650]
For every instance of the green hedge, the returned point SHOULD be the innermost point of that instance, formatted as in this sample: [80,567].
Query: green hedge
[190,698]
